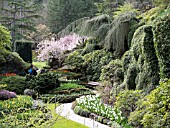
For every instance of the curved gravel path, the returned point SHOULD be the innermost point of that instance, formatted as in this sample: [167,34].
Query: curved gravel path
[66,111]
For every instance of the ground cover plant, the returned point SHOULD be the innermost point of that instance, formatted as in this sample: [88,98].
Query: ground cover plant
[18,113]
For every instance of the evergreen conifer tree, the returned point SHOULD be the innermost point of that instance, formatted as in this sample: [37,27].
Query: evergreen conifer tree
[18,16]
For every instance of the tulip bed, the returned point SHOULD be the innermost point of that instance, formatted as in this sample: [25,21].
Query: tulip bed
[94,105]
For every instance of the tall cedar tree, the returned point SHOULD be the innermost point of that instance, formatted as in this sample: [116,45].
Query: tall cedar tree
[18,16]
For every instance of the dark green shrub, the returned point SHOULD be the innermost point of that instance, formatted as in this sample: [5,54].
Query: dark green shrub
[131,76]
[140,63]
[15,84]
[153,110]
[126,101]
[11,62]
[91,45]
[44,82]
[24,49]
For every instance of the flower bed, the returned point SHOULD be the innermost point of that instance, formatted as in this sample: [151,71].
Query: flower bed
[93,104]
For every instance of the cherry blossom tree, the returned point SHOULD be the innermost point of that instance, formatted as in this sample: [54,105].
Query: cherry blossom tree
[54,49]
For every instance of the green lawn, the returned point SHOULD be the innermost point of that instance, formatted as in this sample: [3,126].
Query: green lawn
[63,122]
[40,64]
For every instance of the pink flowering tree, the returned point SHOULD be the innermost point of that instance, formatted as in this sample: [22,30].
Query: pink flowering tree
[54,49]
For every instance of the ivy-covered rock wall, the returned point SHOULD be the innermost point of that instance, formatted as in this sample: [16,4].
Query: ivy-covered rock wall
[162,45]
[140,63]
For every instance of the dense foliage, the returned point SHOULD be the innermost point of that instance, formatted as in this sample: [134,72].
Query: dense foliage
[153,110]
[93,63]
[162,45]
[126,101]
[9,62]
[18,112]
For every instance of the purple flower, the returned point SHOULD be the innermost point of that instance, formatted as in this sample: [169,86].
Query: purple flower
[5,95]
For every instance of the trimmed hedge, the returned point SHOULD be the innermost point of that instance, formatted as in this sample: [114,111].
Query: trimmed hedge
[24,49]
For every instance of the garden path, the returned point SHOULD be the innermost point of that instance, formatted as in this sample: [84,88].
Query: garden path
[66,111]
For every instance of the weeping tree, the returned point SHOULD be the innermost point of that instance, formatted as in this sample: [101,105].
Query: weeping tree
[112,35]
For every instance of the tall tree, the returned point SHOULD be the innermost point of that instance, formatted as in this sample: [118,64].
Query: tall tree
[18,16]
[63,12]
[108,6]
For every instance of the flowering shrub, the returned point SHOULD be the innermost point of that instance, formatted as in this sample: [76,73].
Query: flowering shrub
[5,95]
[93,104]
[54,49]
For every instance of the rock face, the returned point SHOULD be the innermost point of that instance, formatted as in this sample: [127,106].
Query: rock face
[30,92]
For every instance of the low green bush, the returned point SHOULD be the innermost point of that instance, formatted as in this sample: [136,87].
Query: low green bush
[15,84]
[126,101]
[153,110]
[43,83]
